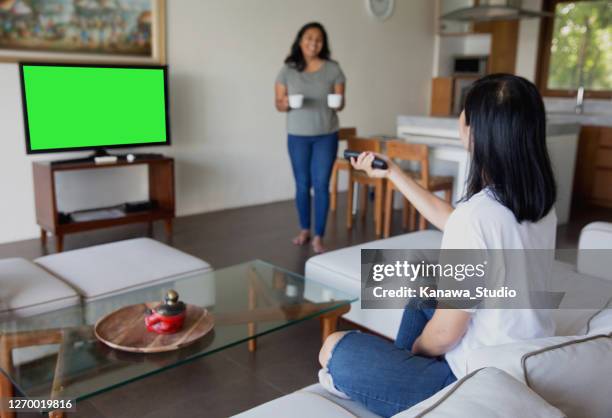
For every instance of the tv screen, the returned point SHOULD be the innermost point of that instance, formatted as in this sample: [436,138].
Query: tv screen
[76,107]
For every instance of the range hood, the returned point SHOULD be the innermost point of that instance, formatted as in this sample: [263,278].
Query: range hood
[488,10]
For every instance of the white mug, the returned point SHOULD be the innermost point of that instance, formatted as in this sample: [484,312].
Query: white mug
[291,290]
[334,100]
[296,101]
[327,295]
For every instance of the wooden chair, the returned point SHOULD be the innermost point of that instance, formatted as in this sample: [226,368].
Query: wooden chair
[340,164]
[361,145]
[401,150]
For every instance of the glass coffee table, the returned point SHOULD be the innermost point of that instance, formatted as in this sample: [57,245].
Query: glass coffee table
[57,356]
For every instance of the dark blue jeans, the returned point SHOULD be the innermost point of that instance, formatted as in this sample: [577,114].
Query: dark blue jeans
[384,376]
[312,160]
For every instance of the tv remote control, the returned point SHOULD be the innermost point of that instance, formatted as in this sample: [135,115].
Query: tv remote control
[377,163]
[107,159]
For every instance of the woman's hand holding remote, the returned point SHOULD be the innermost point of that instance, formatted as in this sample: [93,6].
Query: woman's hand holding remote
[364,163]
[435,209]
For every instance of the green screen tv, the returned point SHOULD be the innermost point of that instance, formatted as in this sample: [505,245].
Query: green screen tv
[87,107]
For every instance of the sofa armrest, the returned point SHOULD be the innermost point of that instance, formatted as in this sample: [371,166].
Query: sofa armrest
[595,236]
[571,373]
[481,394]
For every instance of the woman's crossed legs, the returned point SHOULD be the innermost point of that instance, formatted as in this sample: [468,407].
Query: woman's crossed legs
[384,376]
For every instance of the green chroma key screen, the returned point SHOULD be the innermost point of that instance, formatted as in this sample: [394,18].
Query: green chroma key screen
[88,107]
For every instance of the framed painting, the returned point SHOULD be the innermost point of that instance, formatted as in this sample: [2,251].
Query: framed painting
[95,31]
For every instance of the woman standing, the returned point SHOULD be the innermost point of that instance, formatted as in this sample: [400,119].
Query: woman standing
[312,126]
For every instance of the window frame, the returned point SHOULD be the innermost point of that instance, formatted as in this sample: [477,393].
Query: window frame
[546,33]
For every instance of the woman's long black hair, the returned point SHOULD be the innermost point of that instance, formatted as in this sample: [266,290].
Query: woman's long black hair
[295,59]
[507,123]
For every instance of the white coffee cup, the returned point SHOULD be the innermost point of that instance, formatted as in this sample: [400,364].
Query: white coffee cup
[296,101]
[291,290]
[334,100]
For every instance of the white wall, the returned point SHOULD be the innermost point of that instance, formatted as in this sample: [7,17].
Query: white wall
[229,142]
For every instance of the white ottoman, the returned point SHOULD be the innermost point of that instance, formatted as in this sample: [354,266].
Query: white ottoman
[26,289]
[110,269]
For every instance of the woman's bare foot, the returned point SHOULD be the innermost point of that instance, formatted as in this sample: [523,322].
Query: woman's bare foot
[302,238]
[317,245]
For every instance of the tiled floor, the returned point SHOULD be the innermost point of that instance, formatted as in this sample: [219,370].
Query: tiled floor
[234,380]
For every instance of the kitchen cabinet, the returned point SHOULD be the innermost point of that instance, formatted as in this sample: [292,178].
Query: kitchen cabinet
[504,42]
[447,94]
[441,96]
[593,179]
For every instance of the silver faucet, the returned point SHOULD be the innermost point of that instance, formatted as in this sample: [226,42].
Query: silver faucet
[580,100]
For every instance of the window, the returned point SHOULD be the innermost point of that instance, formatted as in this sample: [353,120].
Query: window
[576,48]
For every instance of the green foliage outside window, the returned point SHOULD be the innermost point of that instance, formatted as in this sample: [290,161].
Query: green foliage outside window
[581,48]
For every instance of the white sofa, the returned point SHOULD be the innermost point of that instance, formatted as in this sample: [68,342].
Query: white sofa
[570,371]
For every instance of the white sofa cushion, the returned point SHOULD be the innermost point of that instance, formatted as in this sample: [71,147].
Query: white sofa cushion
[341,269]
[508,357]
[571,373]
[595,238]
[574,376]
[109,269]
[600,322]
[345,263]
[584,296]
[26,289]
[312,401]
[484,393]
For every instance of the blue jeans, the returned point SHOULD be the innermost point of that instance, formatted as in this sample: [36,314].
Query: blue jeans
[384,376]
[312,160]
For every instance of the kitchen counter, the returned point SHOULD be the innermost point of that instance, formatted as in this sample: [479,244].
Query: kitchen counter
[445,131]
[597,112]
[587,119]
[448,157]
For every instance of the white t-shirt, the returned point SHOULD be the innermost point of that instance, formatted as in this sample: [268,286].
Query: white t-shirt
[484,223]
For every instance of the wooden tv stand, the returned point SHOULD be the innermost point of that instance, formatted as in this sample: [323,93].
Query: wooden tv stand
[161,191]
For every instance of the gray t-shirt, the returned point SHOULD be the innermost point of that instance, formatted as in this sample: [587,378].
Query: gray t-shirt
[314,117]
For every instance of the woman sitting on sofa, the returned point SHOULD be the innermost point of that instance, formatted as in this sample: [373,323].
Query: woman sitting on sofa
[508,205]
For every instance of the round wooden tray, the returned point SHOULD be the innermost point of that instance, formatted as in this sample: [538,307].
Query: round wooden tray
[125,329]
